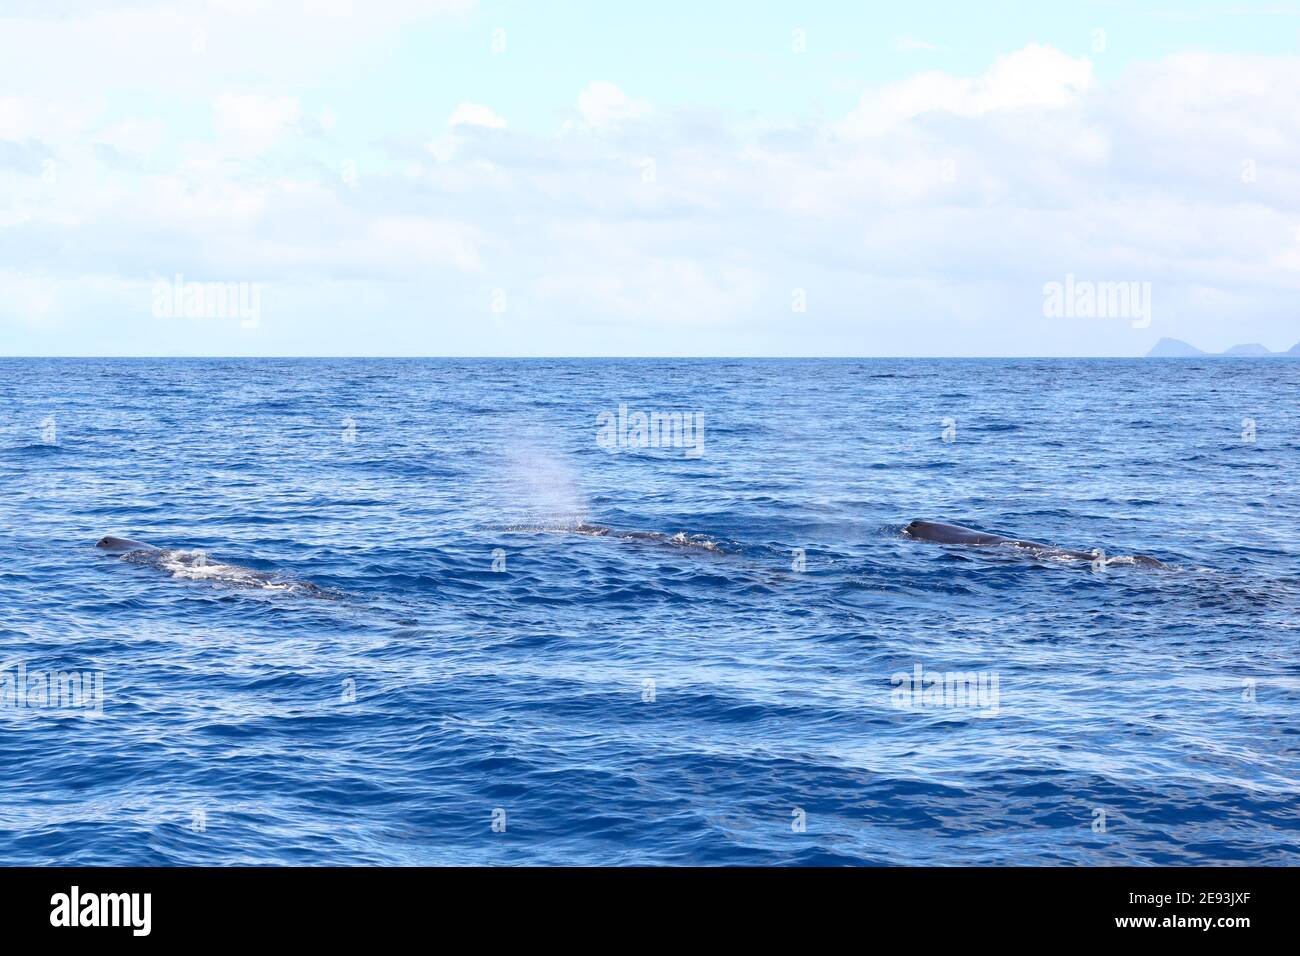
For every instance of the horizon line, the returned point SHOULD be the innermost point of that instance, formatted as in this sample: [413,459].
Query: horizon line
[808,358]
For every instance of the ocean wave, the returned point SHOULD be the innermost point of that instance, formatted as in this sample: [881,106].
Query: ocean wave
[640,659]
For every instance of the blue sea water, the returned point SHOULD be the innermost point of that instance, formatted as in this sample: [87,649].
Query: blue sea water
[438,623]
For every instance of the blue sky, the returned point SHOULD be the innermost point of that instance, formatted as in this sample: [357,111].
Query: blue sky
[580,178]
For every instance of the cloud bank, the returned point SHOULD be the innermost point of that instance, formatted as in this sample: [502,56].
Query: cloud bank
[925,220]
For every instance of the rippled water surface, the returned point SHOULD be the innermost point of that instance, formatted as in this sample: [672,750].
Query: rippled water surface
[405,605]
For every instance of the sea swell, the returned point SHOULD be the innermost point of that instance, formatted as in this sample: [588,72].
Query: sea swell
[647,658]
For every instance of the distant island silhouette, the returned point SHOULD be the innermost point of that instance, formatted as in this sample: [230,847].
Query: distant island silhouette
[1177,348]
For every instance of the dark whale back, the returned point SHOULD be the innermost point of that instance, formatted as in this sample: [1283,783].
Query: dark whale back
[942,533]
[951,534]
[110,543]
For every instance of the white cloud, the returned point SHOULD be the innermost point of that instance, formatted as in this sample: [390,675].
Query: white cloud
[1036,76]
[465,117]
[906,44]
[253,123]
[933,214]
[413,242]
[195,46]
[137,137]
[41,118]
[602,104]
[475,114]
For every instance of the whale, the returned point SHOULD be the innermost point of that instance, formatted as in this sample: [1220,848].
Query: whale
[110,543]
[678,539]
[940,532]
[196,566]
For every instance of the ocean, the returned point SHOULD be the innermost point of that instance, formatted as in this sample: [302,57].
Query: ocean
[455,611]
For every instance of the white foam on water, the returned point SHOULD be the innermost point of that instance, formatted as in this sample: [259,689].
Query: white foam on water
[196,566]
